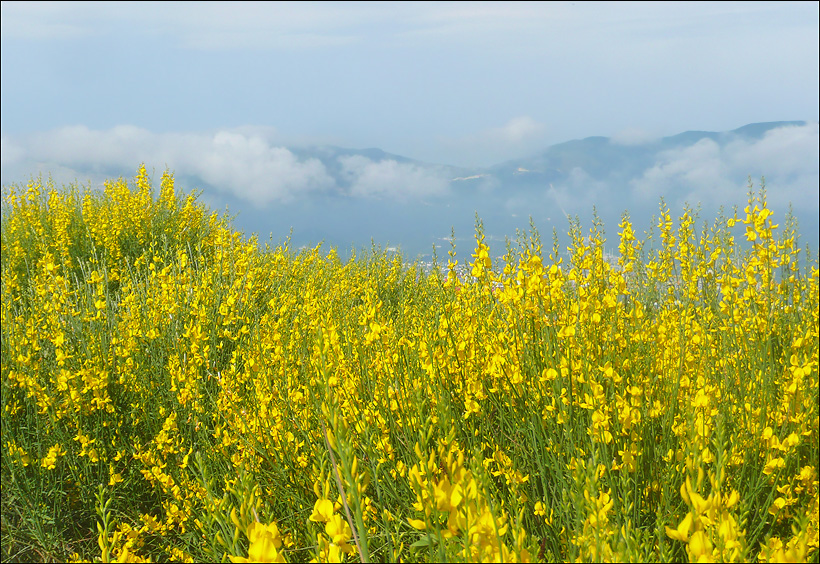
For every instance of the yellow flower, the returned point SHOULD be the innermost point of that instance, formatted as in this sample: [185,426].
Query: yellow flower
[337,529]
[681,533]
[417,524]
[778,504]
[50,460]
[700,546]
[447,496]
[567,331]
[116,477]
[773,465]
[322,511]
[265,544]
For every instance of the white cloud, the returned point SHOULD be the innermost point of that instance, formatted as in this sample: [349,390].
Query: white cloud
[578,193]
[10,152]
[80,146]
[389,178]
[690,174]
[633,136]
[519,135]
[254,25]
[712,174]
[206,26]
[519,129]
[256,171]
[245,162]
[781,151]
[242,162]
[46,20]
[257,25]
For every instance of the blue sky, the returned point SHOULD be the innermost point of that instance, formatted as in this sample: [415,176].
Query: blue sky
[222,91]
[458,83]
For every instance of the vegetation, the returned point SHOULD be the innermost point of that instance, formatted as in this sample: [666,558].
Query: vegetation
[171,391]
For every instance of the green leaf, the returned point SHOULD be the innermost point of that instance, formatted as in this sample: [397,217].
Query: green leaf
[426,541]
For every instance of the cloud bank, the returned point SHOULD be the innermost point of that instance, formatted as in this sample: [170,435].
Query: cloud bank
[714,174]
[388,178]
[251,166]
[243,162]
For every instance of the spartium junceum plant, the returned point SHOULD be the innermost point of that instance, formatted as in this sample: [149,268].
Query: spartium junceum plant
[174,391]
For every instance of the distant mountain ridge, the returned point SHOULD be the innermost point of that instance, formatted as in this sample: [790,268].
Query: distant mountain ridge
[347,197]
[600,158]
[566,149]
[381,197]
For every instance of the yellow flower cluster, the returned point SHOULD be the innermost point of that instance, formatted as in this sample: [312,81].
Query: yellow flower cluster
[240,401]
[471,521]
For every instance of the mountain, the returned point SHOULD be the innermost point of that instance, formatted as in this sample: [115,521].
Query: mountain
[705,169]
[347,197]
[370,195]
[601,157]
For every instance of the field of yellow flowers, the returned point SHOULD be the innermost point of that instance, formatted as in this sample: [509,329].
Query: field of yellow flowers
[174,391]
